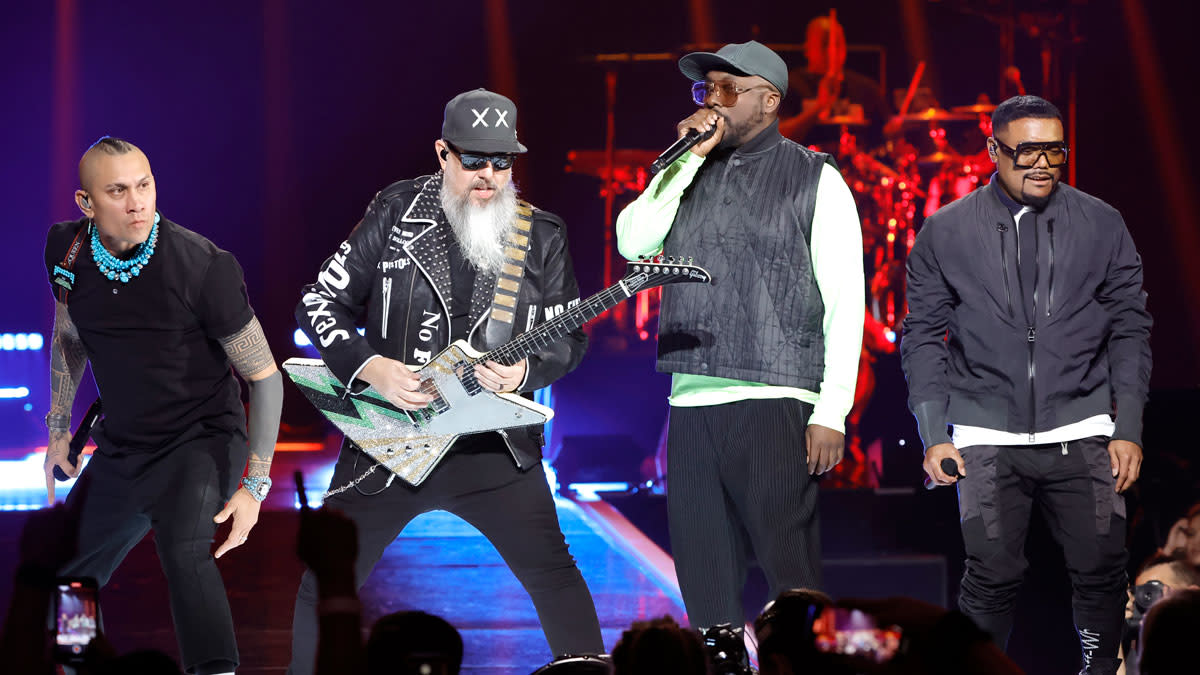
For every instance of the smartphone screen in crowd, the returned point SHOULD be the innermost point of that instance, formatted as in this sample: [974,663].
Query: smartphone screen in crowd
[853,632]
[76,616]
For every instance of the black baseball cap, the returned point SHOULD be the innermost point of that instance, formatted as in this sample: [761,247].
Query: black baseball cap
[482,121]
[745,58]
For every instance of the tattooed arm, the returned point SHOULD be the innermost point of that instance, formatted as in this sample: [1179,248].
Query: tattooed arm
[68,358]
[252,359]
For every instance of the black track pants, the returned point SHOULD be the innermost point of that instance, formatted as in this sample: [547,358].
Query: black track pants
[1072,485]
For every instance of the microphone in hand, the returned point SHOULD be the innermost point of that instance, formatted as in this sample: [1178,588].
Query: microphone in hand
[80,438]
[676,150]
[949,467]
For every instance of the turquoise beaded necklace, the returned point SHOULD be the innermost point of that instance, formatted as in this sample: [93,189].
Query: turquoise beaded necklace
[115,269]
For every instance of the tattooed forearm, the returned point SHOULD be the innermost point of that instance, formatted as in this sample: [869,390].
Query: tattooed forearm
[248,350]
[260,466]
[68,358]
[266,402]
[251,356]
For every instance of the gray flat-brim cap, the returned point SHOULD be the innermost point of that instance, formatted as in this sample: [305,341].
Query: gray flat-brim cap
[745,58]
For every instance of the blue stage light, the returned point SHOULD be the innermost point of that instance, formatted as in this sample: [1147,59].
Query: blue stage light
[588,492]
[19,342]
[14,392]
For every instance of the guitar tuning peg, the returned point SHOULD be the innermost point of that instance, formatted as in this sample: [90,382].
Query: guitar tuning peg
[671,260]
[690,260]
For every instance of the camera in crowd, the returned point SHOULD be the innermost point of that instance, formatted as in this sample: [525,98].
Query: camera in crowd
[1144,595]
[726,649]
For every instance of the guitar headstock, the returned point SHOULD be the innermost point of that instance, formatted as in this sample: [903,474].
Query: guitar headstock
[662,270]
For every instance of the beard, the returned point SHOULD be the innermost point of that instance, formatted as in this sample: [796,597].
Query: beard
[1037,202]
[480,230]
[737,133]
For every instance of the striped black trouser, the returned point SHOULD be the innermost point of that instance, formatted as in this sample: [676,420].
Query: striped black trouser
[737,474]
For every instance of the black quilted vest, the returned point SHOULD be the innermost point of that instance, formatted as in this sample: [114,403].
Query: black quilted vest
[747,218]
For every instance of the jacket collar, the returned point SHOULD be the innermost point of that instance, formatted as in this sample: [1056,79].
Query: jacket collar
[427,207]
[1012,205]
[765,140]
[1009,203]
[429,249]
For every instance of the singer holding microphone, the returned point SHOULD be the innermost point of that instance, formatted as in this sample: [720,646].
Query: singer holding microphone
[1027,332]
[764,361]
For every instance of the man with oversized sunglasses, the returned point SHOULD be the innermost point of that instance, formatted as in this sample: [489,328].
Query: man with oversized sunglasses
[1027,333]
[455,255]
[764,361]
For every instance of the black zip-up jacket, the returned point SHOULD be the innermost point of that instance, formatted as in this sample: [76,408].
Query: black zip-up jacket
[394,268]
[973,356]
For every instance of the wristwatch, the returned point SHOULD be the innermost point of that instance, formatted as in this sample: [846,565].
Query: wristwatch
[257,486]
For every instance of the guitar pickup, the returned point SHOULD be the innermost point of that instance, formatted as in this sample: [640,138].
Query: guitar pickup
[435,407]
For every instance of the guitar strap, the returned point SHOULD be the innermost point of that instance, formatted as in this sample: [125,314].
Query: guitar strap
[508,282]
[64,276]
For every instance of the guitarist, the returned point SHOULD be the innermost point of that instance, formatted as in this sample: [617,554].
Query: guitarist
[432,261]
[764,361]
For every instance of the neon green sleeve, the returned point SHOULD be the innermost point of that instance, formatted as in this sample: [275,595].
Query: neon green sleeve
[643,225]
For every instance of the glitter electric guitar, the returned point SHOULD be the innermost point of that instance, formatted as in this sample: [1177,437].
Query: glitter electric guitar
[410,443]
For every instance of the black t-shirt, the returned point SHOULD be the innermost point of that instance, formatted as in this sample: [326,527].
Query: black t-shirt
[153,342]
[462,282]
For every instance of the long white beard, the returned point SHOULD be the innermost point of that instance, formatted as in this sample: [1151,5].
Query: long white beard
[480,229]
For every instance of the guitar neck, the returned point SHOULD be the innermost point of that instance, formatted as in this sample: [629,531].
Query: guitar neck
[559,327]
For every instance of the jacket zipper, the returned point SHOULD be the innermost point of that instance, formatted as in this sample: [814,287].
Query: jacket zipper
[1030,339]
[387,305]
[1050,282]
[1002,228]
[412,284]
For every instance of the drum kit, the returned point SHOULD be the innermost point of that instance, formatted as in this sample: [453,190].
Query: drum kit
[929,159]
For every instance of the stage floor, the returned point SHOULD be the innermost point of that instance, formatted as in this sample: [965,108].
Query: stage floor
[439,564]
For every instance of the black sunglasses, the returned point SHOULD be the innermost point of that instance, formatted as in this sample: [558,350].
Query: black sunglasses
[474,162]
[1026,155]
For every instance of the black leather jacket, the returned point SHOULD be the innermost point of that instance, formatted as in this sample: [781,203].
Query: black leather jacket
[394,269]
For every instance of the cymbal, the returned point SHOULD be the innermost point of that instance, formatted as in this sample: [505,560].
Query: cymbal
[939,157]
[934,115]
[843,121]
[976,109]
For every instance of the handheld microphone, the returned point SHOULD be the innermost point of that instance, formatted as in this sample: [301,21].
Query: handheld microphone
[80,438]
[949,467]
[685,143]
